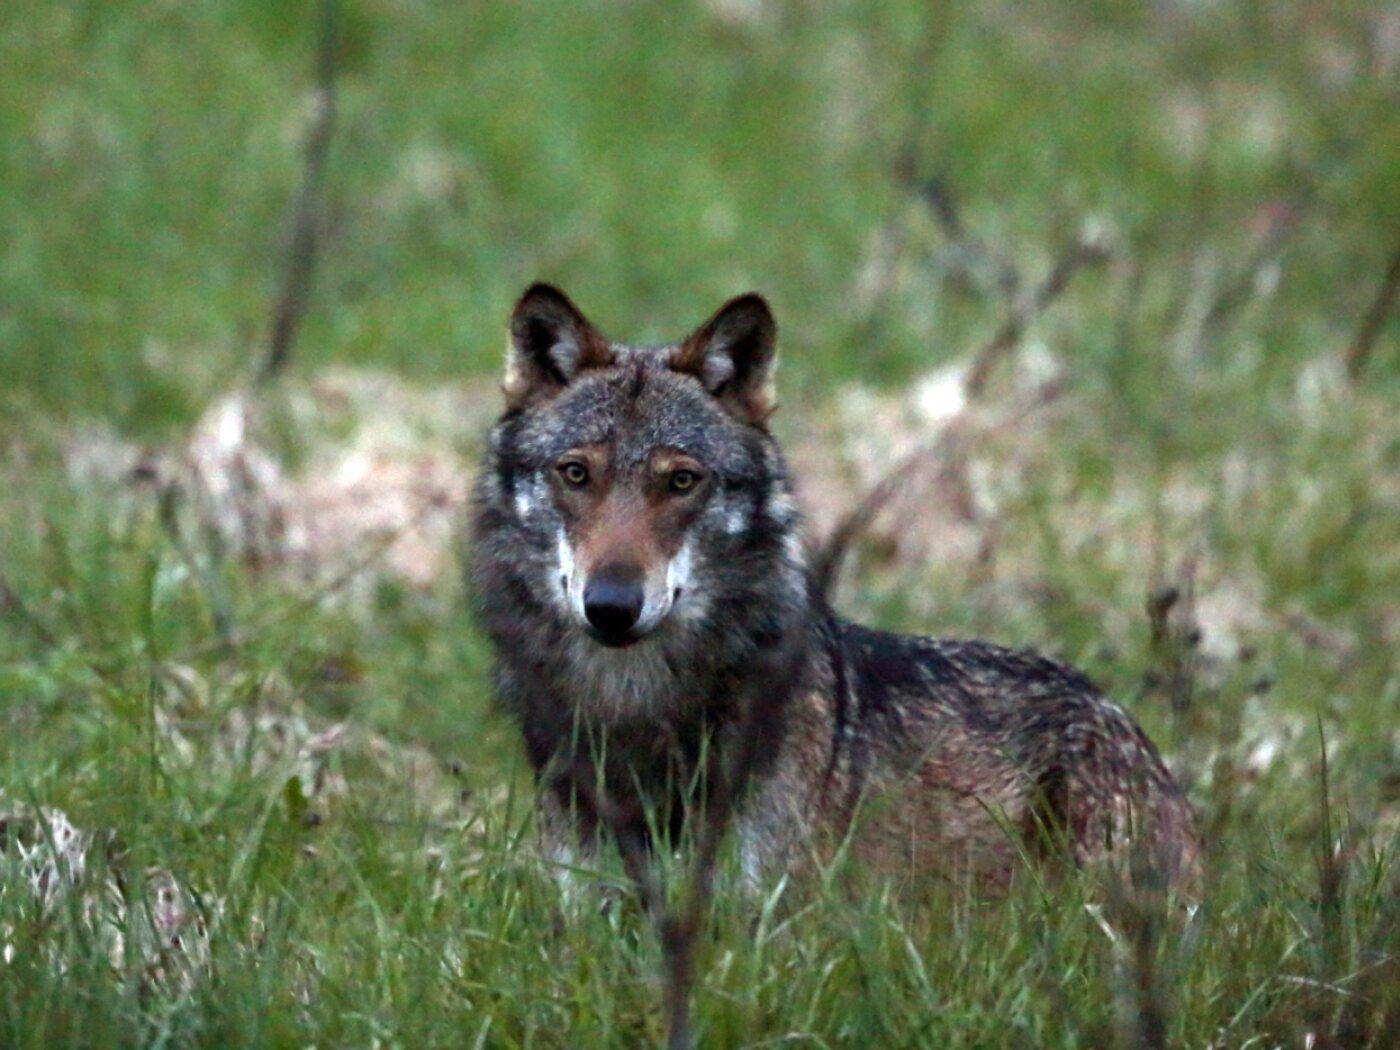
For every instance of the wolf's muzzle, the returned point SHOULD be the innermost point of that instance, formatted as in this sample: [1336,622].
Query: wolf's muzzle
[613,602]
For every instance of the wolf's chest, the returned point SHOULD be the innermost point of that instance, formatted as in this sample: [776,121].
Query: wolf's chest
[626,683]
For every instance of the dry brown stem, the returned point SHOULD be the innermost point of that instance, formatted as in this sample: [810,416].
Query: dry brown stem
[1287,217]
[1088,249]
[305,218]
[938,195]
[1373,322]
[945,452]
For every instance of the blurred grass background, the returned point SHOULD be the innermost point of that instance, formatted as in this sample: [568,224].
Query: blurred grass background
[1244,161]
[652,162]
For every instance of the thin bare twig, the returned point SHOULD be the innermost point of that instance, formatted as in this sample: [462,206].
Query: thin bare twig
[305,217]
[1175,646]
[937,194]
[948,446]
[828,561]
[1088,249]
[1024,306]
[970,260]
[1286,219]
[1373,323]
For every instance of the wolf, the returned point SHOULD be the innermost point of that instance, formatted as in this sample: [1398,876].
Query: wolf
[638,563]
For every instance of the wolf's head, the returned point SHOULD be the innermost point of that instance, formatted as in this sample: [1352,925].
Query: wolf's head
[639,483]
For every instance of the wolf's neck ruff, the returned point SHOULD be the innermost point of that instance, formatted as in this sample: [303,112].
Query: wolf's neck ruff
[638,562]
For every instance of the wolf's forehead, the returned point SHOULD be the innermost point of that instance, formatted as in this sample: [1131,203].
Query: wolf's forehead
[634,411]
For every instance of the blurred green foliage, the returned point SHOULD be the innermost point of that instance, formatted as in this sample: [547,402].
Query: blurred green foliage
[653,161]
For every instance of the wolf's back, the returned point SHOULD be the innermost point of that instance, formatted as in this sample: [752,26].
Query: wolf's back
[974,754]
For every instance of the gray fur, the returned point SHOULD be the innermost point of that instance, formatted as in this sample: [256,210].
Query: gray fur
[931,757]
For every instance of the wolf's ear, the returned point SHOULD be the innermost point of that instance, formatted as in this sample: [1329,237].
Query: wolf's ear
[550,343]
[733,354]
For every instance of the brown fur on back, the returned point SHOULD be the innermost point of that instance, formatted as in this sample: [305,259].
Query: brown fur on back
[957,759]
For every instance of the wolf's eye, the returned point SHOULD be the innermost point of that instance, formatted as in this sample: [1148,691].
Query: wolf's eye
[576,474]
[683,480]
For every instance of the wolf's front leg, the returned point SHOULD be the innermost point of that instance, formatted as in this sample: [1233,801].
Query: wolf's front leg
[772,831]
[568,842]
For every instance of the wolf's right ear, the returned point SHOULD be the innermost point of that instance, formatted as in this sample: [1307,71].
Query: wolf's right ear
[550,343]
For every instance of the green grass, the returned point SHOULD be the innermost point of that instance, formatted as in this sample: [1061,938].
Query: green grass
[383,889]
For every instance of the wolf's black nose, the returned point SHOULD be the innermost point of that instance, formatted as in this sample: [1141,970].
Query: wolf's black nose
[613,606]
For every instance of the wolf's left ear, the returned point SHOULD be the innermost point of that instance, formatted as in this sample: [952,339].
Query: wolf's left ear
[733,354]
[550,343]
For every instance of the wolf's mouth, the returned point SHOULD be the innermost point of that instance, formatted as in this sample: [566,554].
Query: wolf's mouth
[613,641]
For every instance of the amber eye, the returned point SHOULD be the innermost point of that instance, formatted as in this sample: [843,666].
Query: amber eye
[684,480]
[574,473]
